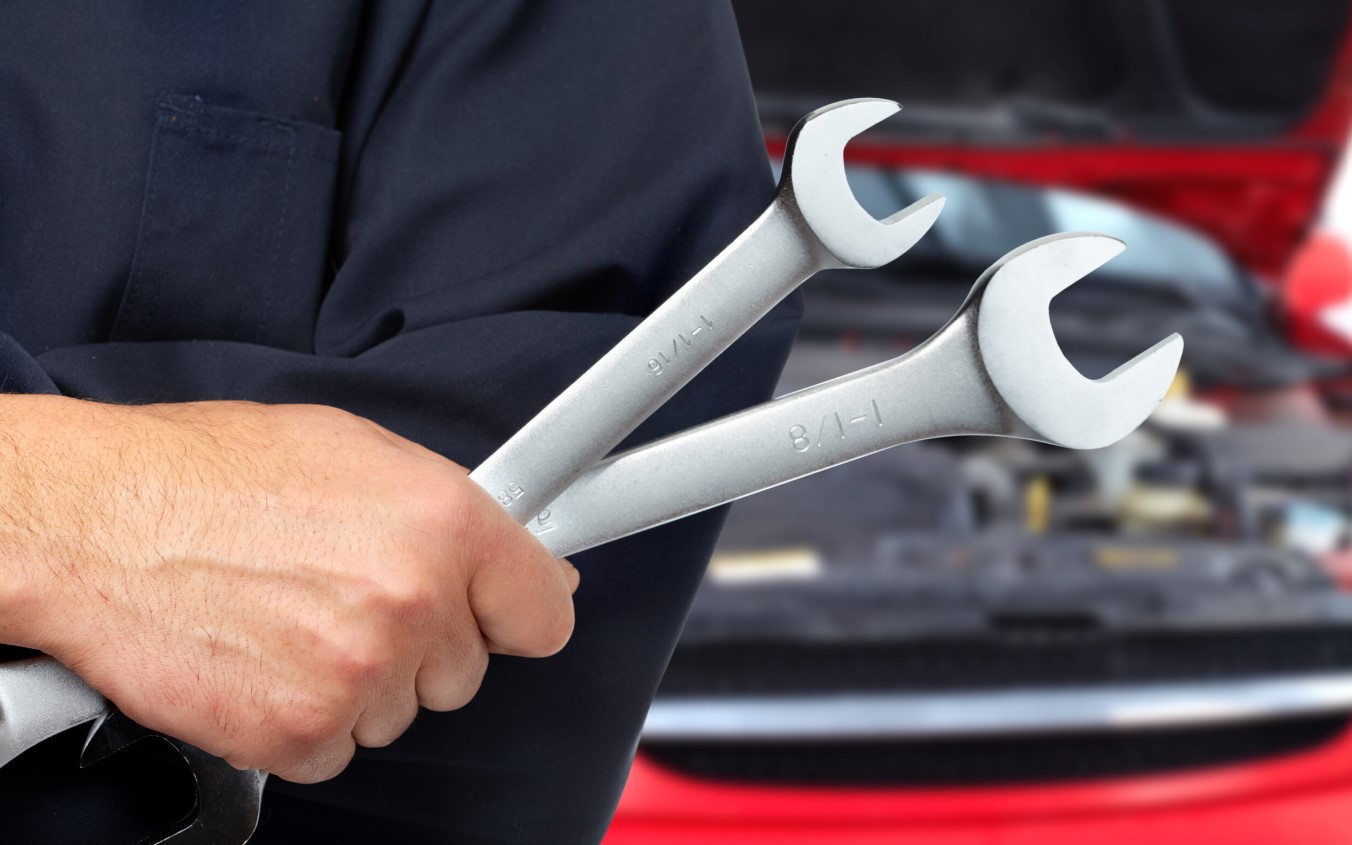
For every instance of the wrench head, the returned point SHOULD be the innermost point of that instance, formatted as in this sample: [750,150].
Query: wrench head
[814,175]
[228,799]
[1026,366]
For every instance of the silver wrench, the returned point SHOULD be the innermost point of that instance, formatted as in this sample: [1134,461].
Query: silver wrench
[814,223]
[994,369]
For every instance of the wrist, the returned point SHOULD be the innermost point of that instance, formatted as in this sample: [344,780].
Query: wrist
[50,500]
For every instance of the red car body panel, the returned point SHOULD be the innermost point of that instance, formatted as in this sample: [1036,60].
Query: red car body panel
[1304,798]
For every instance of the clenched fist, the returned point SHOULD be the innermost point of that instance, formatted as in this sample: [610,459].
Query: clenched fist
[272,583]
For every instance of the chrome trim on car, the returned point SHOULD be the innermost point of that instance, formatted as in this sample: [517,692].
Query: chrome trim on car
[863,716]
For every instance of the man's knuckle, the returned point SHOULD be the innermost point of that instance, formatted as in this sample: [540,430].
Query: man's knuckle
[363,664]
[401,717]
[463,693]
[381,739]
[317,765]
[460,688]
[403,595]
[310,725]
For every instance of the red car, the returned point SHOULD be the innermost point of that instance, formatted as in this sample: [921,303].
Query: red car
[973,642]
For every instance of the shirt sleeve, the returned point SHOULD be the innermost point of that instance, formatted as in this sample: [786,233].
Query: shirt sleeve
[530,181]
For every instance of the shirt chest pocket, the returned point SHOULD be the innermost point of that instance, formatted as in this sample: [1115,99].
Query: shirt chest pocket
[234,229]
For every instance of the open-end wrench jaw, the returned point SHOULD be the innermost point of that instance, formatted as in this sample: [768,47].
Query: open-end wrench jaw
[814,180]
[228,799]
[1026,367]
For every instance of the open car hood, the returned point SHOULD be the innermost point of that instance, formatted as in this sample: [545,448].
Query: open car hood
[1226,115]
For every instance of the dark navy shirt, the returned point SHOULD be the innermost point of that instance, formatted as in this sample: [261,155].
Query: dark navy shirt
[433,214]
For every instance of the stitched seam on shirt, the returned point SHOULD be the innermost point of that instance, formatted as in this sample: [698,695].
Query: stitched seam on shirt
[153,302]
[134,294]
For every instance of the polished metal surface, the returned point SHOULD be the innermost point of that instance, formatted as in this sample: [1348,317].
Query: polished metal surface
[994,369]
[1032,378]
[40,698]
[813,223]
[229,799]
[872,716]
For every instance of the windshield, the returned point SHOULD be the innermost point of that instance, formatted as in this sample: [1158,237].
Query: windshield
[985,218]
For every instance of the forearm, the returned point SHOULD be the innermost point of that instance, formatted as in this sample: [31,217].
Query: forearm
[85,487]
[50,504]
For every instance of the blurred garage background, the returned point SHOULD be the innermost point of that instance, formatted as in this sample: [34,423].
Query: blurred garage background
[987,641]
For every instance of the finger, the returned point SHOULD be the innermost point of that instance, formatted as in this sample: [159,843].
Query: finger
[571,574]
[302,739]
[388,716]
[574,579]
[315,765]
[519,593]
[453,669]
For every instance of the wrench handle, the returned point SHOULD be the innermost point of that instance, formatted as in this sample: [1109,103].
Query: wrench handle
[764,264]
[936,390]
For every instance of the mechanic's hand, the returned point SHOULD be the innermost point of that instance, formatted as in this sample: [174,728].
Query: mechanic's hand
[273,583]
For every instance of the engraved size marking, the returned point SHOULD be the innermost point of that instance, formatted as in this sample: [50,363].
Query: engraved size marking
[833,426]
[679,342]
[509,496]
[541,524]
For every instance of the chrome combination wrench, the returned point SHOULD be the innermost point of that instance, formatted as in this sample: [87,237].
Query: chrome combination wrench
[994,369]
